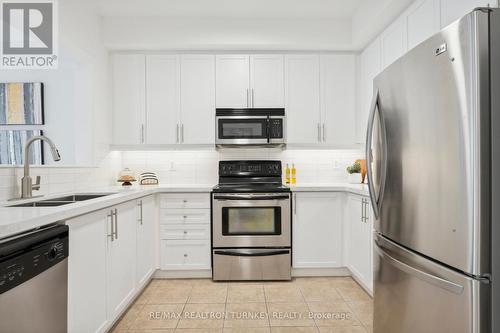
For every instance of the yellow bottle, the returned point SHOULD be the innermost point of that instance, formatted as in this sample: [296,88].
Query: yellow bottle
[294,175]
[287,175]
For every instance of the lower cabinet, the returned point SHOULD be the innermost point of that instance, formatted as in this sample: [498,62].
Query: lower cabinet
[185,231]
[359,239]
[317,230]
[111,257]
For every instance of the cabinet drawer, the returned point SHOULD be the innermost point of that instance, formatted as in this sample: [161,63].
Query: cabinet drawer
[173,231]
[185,200]
[184,216]
[185,254]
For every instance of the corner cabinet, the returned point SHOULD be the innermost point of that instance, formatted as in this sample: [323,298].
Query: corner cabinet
[317,230]
[359,241]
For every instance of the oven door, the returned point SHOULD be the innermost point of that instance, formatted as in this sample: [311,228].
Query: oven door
[251,220]
[242,130]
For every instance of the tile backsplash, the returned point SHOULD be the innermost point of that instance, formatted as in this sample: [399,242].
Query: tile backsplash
[178,167]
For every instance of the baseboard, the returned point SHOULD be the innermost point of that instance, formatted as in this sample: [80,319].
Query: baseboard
[362,284]
[189,274]
[310,272]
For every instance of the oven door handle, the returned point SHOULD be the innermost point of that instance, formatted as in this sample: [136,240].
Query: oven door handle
[251,197]
[251,253]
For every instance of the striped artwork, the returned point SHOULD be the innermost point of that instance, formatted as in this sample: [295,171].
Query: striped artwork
[21,103]
[12,147]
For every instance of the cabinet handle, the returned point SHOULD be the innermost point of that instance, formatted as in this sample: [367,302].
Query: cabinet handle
[185,232]
[319,132]
[111,220]
[142,133]
[185,255]
[177,134]
[295,204]
[140,211]
[182,133]
[248,98]
[253,98]
[324,135]
[116,223]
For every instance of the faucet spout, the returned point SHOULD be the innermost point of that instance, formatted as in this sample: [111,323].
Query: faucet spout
[26,182]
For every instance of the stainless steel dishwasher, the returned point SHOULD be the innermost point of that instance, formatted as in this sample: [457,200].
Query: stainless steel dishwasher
[34,281]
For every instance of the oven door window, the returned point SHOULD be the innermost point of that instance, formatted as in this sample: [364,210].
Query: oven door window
[248,221]
[242,128]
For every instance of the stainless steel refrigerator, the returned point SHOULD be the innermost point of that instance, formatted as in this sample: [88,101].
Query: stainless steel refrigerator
[433,150]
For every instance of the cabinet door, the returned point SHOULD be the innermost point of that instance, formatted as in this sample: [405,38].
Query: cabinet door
[338,96]
[185,254]
[267,81]
[163,98]
[359,240]
[232,81]
[121,259]
[302,93]
[198,99]
[146,226]
[87,273]
[370,68]
[317,228]
[129,94]
[423,21]
[393,42]
[452,10]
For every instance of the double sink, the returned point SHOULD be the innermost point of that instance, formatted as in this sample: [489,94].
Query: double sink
[60,201]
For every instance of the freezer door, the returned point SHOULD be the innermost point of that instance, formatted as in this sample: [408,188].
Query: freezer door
[415,295]
[428,148]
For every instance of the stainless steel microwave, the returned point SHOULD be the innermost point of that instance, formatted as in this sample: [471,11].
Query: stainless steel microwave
[250,127]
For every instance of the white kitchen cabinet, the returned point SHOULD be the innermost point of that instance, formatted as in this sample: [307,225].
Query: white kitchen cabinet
[121,259]
[302,99]
[370,66]
[452,10]
[129,98]
[232,81]
[147,217]
[359,241]
[267,81]
[244,81]
[393,42]
[423,21]
[185,254]
[338,97]
[87,273]
[163,99]
[197,103]
[317,230]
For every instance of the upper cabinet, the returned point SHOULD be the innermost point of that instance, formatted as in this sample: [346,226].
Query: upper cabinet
[163,99]
[393,41]
[338,99]
[197,118]
[423,21]
[249,81]
[129,98]
[267,81]
[302,93]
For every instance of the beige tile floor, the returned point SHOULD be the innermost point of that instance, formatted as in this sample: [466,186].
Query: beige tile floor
[304,305]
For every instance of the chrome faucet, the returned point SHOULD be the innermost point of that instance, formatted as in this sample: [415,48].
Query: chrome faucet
[27,185]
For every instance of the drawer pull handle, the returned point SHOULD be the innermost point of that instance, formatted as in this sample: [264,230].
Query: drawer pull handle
[184,201]
[185,217]
[185,232]
[185,255]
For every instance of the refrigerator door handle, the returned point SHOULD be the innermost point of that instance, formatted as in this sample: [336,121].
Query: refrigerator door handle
[376,195]
[424,276]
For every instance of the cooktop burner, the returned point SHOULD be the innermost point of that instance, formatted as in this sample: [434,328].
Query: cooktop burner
[250,177]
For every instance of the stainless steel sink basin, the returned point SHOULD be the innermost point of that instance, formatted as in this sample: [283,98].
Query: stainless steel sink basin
[60,201]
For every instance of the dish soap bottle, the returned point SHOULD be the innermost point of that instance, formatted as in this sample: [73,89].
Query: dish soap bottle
[294,175]
[287,175]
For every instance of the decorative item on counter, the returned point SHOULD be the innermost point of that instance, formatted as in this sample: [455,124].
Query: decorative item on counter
[294,174]
[126,177]
[287,174]
[363,170]
[354,172]
[148,178]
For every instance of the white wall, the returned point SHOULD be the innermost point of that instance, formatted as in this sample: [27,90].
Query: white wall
[77,104]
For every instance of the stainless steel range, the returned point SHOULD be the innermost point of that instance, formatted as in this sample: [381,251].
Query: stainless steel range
[251,222]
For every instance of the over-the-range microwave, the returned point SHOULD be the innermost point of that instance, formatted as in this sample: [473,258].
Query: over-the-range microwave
[250,127]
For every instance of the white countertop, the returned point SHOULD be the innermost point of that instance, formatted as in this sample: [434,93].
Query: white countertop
[14,220]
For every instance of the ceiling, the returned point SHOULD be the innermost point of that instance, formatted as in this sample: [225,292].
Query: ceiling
[333,9]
